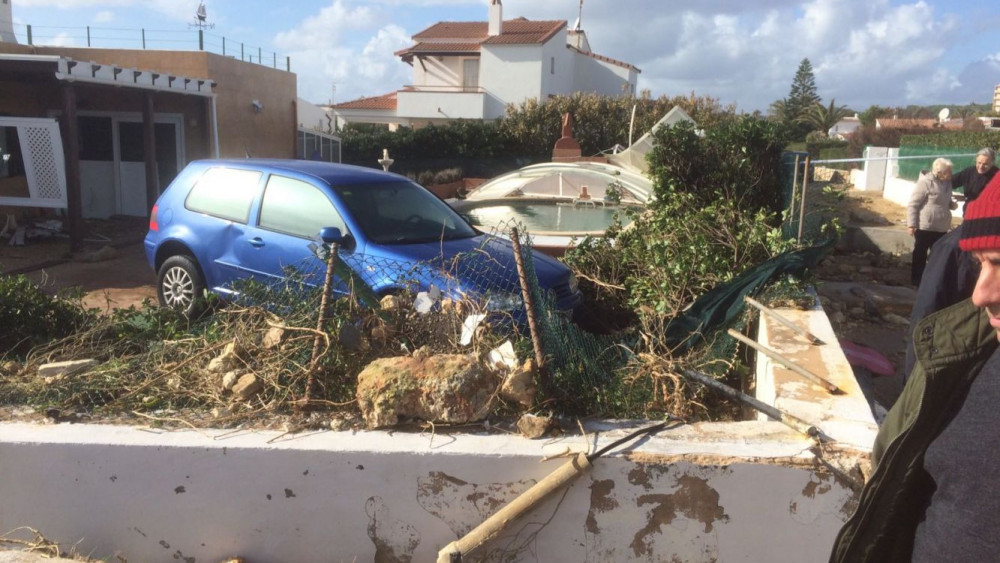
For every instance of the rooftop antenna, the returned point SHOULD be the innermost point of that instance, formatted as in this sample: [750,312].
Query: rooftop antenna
[201,17]
[579,17]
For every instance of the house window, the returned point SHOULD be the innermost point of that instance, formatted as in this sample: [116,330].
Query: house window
[552,65]
[470,74]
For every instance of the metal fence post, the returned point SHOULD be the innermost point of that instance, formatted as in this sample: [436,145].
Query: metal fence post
[260,57]
[29,35]
[275,63]
[223,46]
[241,52]
[802,212]
[795,182]
[88,36]
[144,38]
[529,308]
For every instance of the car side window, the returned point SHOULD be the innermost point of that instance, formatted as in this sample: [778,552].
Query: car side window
[224,192]
[297,208]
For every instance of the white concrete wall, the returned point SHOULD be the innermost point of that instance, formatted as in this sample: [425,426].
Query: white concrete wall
[560,82]
[742,491]
[593,75]
[512,73]
[432,71]
[310,116]
[440,105]
[704,493]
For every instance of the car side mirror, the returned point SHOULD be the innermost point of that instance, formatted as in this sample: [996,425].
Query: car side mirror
[331,235]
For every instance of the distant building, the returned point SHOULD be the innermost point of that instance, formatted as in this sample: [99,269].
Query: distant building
[844,128]
[990,123]
[101,132]
[915,123]
[473,70]
[996,99]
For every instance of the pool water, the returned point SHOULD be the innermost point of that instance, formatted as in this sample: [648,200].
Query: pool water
[549,216]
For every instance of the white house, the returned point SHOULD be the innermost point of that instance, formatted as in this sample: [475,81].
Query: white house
[844,127]
[473,70]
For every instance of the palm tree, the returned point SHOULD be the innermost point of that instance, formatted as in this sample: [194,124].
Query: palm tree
[823,118]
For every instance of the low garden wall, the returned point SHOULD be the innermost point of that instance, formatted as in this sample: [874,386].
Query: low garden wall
[755,490]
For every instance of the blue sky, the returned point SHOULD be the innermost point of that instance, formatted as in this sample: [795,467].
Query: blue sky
[884,52]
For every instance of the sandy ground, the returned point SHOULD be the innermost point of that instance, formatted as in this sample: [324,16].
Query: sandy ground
[110,269]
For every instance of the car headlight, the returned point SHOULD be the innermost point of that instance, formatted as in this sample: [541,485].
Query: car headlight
[504,302]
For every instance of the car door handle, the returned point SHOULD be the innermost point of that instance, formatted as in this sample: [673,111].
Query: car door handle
[256,242]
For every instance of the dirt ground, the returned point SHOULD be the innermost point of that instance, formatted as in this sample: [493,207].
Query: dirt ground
[110,269]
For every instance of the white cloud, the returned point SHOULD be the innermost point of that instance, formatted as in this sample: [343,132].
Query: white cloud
[877,52]
[325,52]
[72,4]
[327,28]
[104,16]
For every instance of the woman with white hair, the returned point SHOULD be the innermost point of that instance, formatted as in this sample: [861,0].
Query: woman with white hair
[928,214]
[973,179]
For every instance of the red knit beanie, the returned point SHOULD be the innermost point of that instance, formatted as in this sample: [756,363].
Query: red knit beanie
[981,226]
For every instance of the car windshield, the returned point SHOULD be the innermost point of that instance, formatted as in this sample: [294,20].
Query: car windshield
[401,213]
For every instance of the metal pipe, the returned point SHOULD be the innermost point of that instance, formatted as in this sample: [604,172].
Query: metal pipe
[792,422]
[786,362]
[774,315]
[529,306]
[495,524]
[215,126]
[795,182]
[802,211]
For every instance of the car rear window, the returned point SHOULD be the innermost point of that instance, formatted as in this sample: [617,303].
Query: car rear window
[224,192]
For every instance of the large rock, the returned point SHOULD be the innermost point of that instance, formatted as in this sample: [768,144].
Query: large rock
[228,360]
[446,388]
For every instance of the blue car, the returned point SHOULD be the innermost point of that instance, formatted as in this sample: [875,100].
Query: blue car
[221,221]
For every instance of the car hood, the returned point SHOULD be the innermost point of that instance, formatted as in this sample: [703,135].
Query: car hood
[482,252]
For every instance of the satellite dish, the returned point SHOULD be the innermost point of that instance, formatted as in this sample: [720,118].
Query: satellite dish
[943,115]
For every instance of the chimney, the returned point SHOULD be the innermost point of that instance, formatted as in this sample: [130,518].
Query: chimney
[496,18]
[6,23]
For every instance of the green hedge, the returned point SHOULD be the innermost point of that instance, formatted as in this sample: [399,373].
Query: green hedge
[524,136]
[960,147]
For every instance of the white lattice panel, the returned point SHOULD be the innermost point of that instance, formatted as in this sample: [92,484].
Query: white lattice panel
[47,184]
[44,162]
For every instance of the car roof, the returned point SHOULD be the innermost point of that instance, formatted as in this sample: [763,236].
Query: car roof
[331,173]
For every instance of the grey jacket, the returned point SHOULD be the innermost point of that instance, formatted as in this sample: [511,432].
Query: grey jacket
[930,205]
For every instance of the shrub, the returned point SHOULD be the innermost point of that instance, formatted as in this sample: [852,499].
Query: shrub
[30,317]
[716,214]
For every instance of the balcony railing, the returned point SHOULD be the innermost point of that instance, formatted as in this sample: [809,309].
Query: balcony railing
[123,38]
[444,89]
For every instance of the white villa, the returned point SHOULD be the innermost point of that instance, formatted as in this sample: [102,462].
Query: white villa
[473,70]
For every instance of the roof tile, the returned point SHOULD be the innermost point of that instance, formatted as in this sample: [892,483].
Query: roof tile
[385,101]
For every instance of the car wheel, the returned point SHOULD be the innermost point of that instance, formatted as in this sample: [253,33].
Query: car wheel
[180,285]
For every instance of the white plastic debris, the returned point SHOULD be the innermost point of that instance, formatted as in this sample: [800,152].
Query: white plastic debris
[469,327]
[423,303]
[426,299]
[503,356]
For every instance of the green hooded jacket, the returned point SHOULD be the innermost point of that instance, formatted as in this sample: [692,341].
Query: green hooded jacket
[951,345]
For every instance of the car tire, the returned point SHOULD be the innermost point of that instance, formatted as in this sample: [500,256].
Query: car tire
[180,285]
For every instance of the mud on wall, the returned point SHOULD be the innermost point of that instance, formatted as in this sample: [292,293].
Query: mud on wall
[375,496]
